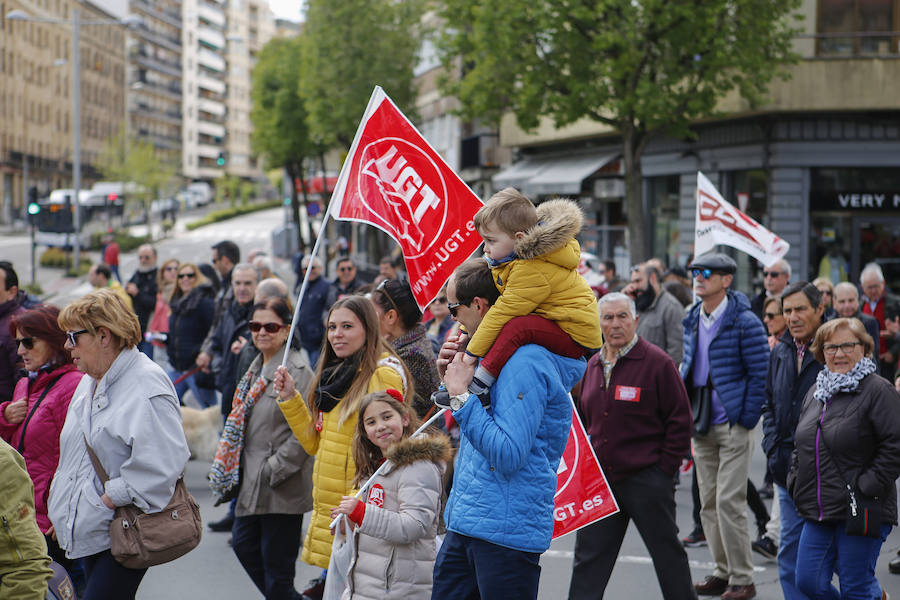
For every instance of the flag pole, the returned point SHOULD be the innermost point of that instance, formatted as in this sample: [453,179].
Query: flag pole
[381,467]
[305,284]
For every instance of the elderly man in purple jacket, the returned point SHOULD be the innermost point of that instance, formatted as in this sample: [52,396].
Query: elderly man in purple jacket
[636,411]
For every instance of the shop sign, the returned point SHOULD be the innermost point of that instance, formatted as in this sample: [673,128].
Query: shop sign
[867,201]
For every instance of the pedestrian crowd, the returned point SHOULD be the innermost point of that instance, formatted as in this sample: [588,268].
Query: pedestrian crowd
[671,370]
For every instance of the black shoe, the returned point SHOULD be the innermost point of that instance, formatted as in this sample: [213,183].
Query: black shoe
[441,398]
[222,525]
[695,539]
[766,547]
[766,491]
[894,566]
[315,590]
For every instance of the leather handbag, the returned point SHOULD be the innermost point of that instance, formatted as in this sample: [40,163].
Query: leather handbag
[139,540]
[701,407]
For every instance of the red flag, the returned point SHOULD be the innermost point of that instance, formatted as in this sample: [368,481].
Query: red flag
[582,492]
[393,179]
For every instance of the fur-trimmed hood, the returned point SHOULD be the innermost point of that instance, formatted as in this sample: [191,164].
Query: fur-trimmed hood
[432,447]
[559,221]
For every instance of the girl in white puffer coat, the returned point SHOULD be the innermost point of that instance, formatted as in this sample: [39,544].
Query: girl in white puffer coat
[396,526]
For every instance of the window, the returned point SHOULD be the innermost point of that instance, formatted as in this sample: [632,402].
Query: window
[861,21]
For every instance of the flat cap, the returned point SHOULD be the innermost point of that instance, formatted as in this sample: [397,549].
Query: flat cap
[715,261]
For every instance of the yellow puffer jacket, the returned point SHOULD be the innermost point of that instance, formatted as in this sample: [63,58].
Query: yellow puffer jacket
[544,280]
[334,469]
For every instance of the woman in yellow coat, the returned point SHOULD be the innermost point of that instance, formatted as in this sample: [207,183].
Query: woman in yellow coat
[355,361]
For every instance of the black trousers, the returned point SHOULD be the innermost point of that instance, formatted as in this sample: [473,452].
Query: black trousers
[647,498]
[267,547]
[108,580]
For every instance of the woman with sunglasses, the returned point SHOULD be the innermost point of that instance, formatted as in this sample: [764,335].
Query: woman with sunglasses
[158,328]
[773,319]
[355,361]
[826,288]
[126,410]
[192,307]
[441,323]
[261,456]
[400,321]
[32,421]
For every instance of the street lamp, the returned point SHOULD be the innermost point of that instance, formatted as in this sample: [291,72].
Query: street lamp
[131,21]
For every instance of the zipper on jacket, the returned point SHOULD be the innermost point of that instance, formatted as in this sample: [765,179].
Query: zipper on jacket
[11,538]
[818,471]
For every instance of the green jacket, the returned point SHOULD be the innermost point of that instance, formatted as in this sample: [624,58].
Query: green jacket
[24,564]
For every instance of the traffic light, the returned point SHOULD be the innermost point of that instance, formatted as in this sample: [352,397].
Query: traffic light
[221,160]
[34,208]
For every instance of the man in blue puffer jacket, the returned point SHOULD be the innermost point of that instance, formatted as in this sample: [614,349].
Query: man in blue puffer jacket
[499,514]
[725,359]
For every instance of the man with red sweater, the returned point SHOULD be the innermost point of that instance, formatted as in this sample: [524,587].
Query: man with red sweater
[637,414]
[877,299]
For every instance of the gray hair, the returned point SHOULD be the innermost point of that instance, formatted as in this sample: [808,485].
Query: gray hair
[872,268]
[785,266]
[263,262]
[271,288]
[246,267]
[618,297]
[846,285]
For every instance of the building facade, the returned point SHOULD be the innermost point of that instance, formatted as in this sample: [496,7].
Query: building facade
[36,76]
[819,164]
[203,89]
[154,78]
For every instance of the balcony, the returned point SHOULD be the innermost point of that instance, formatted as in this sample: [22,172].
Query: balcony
[210,129]
[170,92]
[213,85]
[209,151]
[172,18]
[211,13]
[170,43]
[142,109]
[211,106]
[143,58]
[210,38]
[159,140]
[211,60]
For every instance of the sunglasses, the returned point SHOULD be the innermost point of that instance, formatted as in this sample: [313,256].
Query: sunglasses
[345,269]
[382,287]
[188,275]
[255,326]
[441,300]
[72,336]
[771,273]
[454,307]
[771,315]
[27,342]
[707,273]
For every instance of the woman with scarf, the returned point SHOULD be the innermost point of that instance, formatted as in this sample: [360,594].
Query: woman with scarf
[33,420]
[158,328]
[846,448]
[261,463]
[355,360]
[192,308]
[400,321]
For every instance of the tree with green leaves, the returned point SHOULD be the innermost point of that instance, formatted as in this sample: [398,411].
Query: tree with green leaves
[643,67]
[132,160]
[279,117]
[349,47]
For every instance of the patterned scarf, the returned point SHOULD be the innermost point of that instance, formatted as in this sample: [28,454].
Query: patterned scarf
[225,473]
[828,383]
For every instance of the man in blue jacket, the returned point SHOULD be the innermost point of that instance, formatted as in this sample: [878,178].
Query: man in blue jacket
[724,368]
[499,514]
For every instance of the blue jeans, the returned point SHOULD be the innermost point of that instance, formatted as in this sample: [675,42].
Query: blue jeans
[468,568]
[267,547]
[146,347]
[791,528]
[825,548]
[108,580]
[204,396]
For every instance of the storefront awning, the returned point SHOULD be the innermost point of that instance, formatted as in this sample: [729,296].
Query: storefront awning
[559,175]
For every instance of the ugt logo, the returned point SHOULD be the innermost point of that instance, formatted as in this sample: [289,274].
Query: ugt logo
[410,188]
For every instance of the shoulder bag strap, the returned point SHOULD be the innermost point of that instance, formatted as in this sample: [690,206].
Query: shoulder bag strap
[34,408]
[98,467]
[833,457]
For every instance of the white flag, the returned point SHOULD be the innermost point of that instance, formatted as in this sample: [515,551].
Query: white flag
[718,222]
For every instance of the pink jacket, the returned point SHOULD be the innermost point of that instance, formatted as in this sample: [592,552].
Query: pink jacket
[41,450]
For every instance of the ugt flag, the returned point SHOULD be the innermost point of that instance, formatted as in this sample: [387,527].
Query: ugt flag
[582,492]
[393,179]
[718,222]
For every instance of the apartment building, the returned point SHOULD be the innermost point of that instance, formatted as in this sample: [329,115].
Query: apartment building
[203,89]
[154,77]
[36,77]
[819,163]
[250,25]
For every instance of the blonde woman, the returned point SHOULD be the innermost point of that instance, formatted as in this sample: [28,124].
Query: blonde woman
[355,360]
[192,308]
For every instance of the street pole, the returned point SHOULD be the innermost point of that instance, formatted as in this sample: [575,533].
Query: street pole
[76,134]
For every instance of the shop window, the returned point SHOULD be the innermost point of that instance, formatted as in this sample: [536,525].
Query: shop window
[664,199]
[851,27]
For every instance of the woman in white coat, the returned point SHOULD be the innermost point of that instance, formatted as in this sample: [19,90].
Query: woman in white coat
[127,410]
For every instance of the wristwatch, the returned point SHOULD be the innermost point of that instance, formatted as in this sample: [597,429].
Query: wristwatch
[457,401]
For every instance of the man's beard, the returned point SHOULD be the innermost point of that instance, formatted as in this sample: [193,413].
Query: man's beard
[643,300]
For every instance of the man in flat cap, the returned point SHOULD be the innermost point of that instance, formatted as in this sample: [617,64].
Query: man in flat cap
[724,369]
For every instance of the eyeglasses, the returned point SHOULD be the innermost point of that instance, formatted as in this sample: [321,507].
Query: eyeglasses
[255,326]
[441,300]
[382,287]
[345,269]
[707,273]
[144,257]
[769,315]
[454,307]
[188,275]
[771,273]
[72,336]
[846,348]
[27,342]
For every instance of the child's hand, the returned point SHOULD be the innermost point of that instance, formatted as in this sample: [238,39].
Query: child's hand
[448,351]
[347,506]
[284,384]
